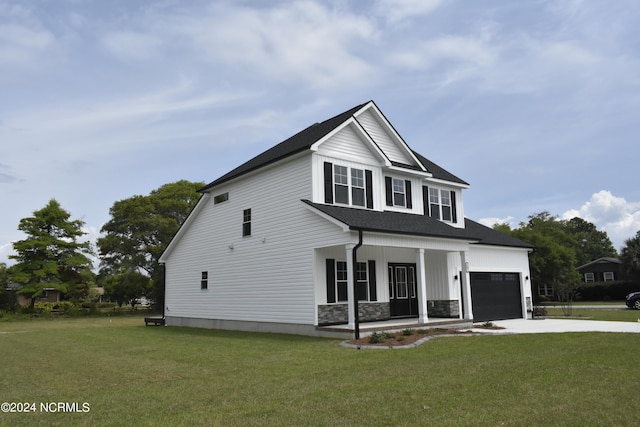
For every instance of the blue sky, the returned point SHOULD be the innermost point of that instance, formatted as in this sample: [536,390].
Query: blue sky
[534,103]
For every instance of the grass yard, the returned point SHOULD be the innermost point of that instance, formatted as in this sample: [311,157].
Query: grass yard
[610,314]
[149,376]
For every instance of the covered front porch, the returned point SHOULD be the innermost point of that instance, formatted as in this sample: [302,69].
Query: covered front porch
[398,281]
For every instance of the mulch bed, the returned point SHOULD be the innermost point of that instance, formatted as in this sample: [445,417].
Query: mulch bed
[408,337]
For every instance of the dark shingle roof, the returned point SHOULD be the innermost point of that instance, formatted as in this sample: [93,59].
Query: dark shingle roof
[437,171]
[489,236]
[304,140]
[299,142]
[416,225]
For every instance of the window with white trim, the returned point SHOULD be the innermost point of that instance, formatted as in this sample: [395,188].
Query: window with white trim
[349,186]
[589,277]
[362,281]
[399,194]
[341,281]
[357,187]
[246,222]
[608,276]
[204,280]
[441,204]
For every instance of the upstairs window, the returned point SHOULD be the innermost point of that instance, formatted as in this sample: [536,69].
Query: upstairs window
[441,204]
[221,198]
[348,186]
[204,280]
[341,182]
[398,192]
[434,202]
[246,223]
[445,205]
[357,187]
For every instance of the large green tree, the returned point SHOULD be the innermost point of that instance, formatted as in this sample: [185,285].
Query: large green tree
[140,229]
[561,246]
[7,298]
[554,260]
[630,256]
[51,256]
[589,242]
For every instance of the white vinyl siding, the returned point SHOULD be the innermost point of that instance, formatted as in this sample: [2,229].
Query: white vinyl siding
[264,277]
[381,137]
[348,145]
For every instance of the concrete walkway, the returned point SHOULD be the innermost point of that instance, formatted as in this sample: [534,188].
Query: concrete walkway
[537,326]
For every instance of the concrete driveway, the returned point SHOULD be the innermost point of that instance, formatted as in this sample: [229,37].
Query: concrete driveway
[537,326]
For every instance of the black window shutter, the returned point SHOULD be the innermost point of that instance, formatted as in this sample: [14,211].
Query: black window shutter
[373,296]
[425,200]
[331,280]
[328,182]
[454,213]
[368,182]
[388,187]
[407,189]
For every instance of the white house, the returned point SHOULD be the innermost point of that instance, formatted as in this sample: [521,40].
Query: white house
[278,243]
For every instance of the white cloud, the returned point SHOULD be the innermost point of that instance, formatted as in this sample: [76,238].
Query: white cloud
[398,10]
[618,217]
[20,44]
[455,48]
[132,45]
[303,41]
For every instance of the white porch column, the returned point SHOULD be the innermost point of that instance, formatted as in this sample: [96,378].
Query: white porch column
[350,295]
[466,312]
[422,288]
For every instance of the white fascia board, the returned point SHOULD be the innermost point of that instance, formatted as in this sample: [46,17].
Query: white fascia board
[448,183]
[183,228]
[391,130]
[424,175]
[363,134]
[329,218]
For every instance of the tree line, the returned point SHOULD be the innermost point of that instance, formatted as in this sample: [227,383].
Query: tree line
[53,256]
[563,245]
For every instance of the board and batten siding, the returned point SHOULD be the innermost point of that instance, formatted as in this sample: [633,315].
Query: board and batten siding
[266,277]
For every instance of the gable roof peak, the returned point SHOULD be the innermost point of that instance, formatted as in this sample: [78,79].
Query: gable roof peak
[304,140]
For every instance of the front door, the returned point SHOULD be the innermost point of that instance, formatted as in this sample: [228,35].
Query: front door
[403,295]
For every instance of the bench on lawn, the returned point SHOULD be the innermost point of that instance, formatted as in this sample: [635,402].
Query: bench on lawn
[154,321]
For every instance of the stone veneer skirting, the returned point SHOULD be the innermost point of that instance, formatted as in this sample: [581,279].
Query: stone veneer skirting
[443,308]
[333,314]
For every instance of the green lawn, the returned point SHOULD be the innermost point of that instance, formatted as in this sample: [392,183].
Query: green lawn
[136,375]
[611,314]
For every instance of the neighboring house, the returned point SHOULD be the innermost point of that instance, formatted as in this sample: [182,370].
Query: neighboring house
[602,270]
[49,295]
[277,243]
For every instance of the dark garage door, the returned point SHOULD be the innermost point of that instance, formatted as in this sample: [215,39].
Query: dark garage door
[495,296]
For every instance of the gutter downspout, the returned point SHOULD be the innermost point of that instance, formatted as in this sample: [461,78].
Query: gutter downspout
[355,285]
